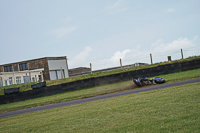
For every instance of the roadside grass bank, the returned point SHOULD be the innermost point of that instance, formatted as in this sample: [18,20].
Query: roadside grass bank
[68,96]
[174,109]
[27,86]
[181,76]
[94,91]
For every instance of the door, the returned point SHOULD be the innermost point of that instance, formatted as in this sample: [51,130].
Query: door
[53,75]
[56,74]
[18,80]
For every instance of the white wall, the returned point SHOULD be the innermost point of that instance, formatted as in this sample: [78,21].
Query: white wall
[55,65]
[33,74]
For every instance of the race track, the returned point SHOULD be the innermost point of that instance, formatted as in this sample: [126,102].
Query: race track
[57,105]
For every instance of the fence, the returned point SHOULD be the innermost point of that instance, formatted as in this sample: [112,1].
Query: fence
[148,58]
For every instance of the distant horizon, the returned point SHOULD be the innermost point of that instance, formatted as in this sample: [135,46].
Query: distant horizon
[156,58]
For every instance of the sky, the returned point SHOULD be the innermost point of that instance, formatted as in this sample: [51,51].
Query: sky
[88,31]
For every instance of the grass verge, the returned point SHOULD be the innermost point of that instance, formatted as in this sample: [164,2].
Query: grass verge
[27,86]
[174,109]
[95,91]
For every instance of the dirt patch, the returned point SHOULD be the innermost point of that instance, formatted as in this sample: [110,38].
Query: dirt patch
[132,86]
[128,87]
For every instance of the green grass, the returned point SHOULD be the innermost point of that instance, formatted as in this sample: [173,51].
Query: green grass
[27,86]
[95,91]
[67,96]
[181,76]
[175,109]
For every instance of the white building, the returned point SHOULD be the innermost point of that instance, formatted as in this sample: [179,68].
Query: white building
[47,68]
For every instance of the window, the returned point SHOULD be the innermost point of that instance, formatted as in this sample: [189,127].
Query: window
[1,81]
[33,79]
[6,82]
[40,77]
[23,66]
[8,69]
[10,80]
[26,79]
[18,80]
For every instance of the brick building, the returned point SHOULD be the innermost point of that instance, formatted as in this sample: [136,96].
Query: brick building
[47,68]
[79,71]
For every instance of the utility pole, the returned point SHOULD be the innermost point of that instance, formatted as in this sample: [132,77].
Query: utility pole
[1,81]
[67,76]
[120,63]
[151,59]
[182,53]
[91,67]
[61,72]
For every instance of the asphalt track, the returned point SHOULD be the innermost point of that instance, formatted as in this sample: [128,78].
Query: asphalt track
[57,105]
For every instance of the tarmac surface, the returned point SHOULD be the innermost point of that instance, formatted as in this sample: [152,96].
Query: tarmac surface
[57,105]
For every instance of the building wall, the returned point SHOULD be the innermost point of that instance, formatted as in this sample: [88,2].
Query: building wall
[32,74]
[36,64]
[54,66]
[35,67]
[1,68]
[16,67]
[32,65]
[56,58]
[79,70]
[46,70]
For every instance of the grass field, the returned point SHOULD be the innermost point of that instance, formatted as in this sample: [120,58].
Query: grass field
[27,86]
[95,91]
[175,109]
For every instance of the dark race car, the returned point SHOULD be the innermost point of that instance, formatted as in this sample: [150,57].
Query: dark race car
[145,81]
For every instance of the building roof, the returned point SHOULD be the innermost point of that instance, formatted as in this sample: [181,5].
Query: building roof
[79,68]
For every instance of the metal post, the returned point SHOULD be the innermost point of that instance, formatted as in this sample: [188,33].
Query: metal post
[0,81]
[42,76]
[120,63]
[30,75]
[91,67]
[151,59]
[169,58]
[13,78]
[182,53]
[61,72]
[67,69]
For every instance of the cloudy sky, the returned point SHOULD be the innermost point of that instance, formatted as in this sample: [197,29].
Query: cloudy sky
[89,31]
